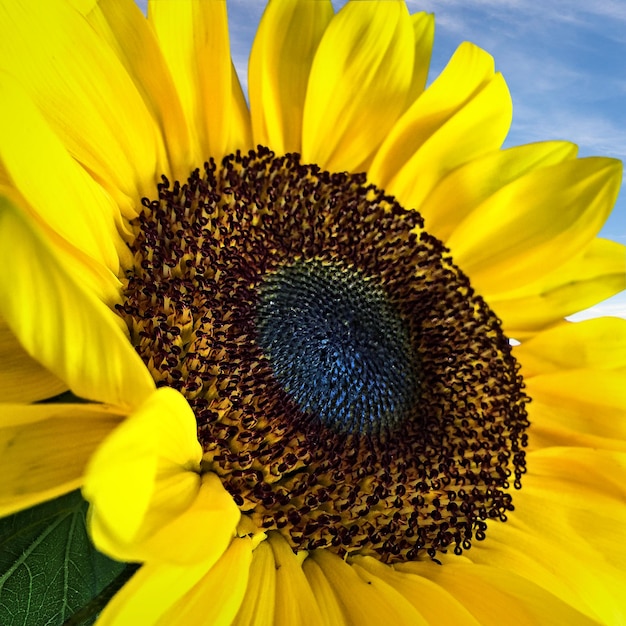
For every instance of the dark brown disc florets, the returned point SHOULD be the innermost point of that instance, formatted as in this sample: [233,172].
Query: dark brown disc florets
[350,389]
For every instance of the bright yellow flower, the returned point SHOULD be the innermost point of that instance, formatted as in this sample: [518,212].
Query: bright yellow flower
[252,487]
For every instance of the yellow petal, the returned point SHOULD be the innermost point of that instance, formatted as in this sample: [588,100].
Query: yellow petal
[280,63]
[599,272]
[122,24]
[498,596]
[424,35]
[359,84]
[366,599]
[427,597]
[44,449]
[22,379]
[295,602]
[80,85]
[576,403]
[463,189]
[566,533]
[596,343]
[146,597]
[60,192]
[257,606]
[193,36]
[535,224]
[215,600]
[60,324]
[164,595]
[148,498]
[465,113]
[241,126]
[330,609]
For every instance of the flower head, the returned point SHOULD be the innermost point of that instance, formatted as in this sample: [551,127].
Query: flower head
[292,321]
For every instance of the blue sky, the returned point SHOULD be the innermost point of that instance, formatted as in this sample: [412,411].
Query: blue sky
[564,62]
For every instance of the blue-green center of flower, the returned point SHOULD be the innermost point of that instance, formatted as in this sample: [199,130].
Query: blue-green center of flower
[337,346]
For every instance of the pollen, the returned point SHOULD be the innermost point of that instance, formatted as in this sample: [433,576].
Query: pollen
[350,388]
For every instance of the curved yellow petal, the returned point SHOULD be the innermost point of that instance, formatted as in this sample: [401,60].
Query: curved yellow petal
[535,224]
[599,272]
[497,596]
[22,379]
[278,73]
[207,593]
[359,84]
[123,25]
[149,501]
[259,602]
[295,601]
[466,187]
[61,325]
[148,595]
[465,113]
[331,612]
[596,343]
[63,196]
[241,126]
[80,85]
[224,586]
[424,35]
[365,599]
[193,36]
[578,403]
[44,449]
[566,533]
[427,597]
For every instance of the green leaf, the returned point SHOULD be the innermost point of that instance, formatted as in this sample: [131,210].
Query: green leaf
[49,569]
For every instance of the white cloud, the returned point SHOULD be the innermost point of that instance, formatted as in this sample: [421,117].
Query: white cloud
[555,10]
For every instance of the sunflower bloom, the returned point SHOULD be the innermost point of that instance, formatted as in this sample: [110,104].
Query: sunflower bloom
[290,321]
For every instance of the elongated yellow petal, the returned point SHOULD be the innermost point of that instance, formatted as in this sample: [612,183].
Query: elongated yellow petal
[566,534]
[241,126]
[424,35]
[60,324]
[44,449]
[516,236]
[359,84]
[365,600]
[148,498]
[462,190]
[295,602]
[225,585]
[64,197]
[467,106]
[598,344]
[193,36]
[278,74]
[162,594]
[427,597]
[154,589]
[78,81]
[577,403]
[151,592]
[599,272]
[331,610]
[22,379]
[258,605]
[122,24]
[499,596]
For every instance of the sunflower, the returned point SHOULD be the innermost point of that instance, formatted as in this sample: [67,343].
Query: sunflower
[291,323]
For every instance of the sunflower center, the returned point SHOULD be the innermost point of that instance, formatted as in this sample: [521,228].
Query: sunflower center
[350,388]
[336,346]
